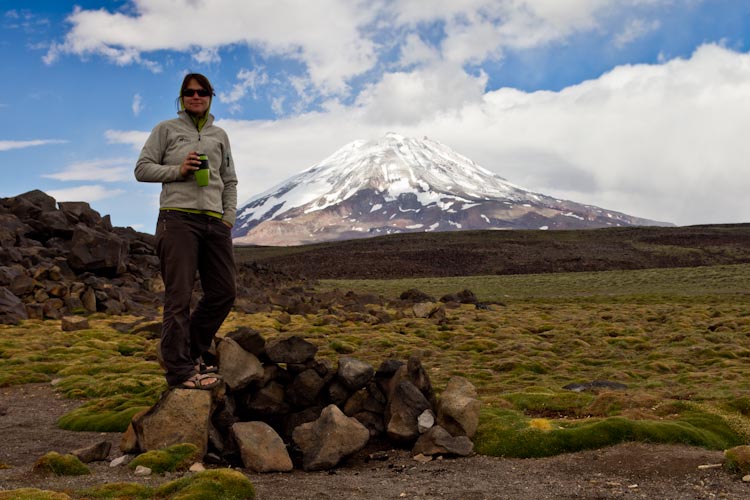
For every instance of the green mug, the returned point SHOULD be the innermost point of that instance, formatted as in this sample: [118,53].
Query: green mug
[201,175]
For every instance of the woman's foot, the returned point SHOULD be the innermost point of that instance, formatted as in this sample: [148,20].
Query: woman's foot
[203,368]
[200,381]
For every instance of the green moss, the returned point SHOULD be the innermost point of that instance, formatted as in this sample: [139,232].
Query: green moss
[536,401]
[217,484]
[91,417]
[507,433]
[61,465]
[32,494]
[342,347]
[169,459]
[129,491]
[737,460]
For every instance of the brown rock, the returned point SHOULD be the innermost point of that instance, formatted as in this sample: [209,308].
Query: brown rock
[458,409]
[93,453]
[180,416]
[237,366]
[261,448]
[73,323]
[329,439]
[437,441]
[12,310]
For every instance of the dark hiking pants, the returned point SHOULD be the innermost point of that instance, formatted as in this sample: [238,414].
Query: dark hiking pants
[187,243]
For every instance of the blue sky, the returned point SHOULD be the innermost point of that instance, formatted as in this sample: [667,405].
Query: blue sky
[639,106]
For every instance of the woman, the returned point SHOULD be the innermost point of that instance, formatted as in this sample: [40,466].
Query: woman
[193,232]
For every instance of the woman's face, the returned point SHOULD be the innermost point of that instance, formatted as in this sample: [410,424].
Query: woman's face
[194,103]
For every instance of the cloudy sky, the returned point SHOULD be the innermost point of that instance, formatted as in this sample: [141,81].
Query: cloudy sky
[639,106]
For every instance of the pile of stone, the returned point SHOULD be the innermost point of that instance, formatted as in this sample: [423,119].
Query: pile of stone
[64,258]
[61,259]
[280,407]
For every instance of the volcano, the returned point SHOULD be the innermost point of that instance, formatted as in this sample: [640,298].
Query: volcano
[398,184]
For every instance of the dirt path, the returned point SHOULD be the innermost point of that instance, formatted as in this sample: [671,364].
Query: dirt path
[628,471]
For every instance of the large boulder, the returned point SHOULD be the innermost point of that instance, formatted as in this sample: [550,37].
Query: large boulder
[329,439]
[405,406]
[354,374]
[97,251]
[12,310]
[261,448]
[292,350]
[11,228]
[180,416]
[458,409]
[237,366]
[80,211]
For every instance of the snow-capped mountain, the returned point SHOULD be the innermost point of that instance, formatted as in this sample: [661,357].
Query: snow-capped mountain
[400,184]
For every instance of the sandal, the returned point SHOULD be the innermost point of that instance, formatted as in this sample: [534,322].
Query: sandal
[203,368]
[199,381]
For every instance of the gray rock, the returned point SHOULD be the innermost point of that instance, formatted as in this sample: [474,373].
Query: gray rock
[237,367]
[269,400]
[180,416]
[438,441]
[291,350]
[12,310]
[305,388]
[250,340]
[458,409]
[97,251]
[261,449]
[403,410]
[353,373]
[329,439]
[425,421]
[94,453]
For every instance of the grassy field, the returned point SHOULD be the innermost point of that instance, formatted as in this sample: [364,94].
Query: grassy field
[679,339]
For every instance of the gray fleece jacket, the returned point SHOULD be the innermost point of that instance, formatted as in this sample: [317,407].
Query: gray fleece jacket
[166,148]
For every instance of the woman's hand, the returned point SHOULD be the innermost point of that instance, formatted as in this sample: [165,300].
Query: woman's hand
[190,163]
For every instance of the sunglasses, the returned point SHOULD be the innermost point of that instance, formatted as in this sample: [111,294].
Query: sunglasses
[192,92]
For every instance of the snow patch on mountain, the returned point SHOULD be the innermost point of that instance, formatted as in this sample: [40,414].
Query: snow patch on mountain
[401,184]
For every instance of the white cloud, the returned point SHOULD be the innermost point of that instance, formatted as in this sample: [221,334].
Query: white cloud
[135,138]
[666,141]
[324,35]
[8,145]
[635,29]
[407,98]
[137,104]
[103,170]
[88,193]
[247,80]
[337,40]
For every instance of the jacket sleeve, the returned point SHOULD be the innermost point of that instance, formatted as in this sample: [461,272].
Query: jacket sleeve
[149,168]
[229,178]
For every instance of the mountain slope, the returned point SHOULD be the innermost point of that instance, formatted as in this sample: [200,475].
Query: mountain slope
[397,184]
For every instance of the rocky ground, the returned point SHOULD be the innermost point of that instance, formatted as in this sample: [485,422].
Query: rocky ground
[632,470]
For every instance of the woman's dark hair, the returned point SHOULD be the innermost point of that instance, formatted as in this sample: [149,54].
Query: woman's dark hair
[202,81]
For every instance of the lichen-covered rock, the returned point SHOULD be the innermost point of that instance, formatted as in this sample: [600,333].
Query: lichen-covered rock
[180,416]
